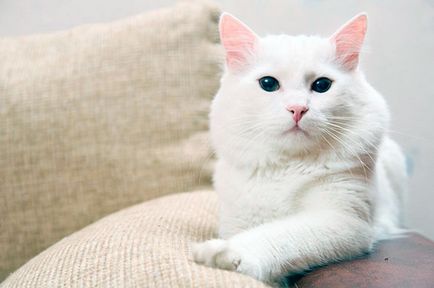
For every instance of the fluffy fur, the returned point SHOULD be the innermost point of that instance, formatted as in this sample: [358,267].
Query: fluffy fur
[292,199]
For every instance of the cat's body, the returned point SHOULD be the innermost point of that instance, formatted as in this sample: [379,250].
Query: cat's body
[306,174]
[251,197]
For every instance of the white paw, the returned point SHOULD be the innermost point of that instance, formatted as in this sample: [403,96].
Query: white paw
[228,260]
[206,252]
[218,253]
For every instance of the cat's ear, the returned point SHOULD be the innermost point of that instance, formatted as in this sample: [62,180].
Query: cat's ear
[238,40]
[348,41]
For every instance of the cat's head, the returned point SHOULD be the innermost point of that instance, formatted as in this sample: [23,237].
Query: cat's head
[283,96]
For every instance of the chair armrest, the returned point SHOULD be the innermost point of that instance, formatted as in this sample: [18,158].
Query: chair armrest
[402,262]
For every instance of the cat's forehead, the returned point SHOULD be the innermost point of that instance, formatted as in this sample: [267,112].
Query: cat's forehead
[294,52]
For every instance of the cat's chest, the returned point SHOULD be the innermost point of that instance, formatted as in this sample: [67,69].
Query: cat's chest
[249,199]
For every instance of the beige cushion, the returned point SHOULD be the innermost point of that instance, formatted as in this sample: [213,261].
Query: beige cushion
[146,245]
[101,117]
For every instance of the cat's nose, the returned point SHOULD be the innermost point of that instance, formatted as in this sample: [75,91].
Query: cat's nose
[297,111]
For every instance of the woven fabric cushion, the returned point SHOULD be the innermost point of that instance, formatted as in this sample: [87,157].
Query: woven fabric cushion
[146,245]
[101,117]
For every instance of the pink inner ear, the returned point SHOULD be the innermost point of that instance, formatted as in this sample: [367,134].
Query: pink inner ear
[349,40]
[237,39]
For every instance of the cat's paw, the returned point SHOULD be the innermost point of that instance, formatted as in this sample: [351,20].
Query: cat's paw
[228,260]
[218,253]
[205,253]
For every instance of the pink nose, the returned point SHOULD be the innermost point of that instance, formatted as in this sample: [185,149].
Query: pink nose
[297,111]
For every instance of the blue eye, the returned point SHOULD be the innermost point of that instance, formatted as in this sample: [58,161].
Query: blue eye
[321,85]
[269,84]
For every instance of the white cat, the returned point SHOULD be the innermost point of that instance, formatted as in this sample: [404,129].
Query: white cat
[306,174]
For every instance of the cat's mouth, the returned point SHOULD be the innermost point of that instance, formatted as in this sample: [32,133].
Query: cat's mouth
[296,130]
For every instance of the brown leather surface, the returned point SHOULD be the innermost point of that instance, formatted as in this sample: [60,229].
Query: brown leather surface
[402,262]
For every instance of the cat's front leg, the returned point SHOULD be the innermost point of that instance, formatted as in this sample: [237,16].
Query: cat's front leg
[292,245]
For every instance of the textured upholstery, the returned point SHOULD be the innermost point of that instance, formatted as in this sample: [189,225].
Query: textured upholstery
[146,245]
[100,117]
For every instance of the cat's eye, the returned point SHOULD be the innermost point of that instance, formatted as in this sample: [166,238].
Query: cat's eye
[269,83]
[321,85]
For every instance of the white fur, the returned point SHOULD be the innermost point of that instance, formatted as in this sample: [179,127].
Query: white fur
[291,201]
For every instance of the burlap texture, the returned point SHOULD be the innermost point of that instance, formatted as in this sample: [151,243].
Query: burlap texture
[146,245]
[101,117]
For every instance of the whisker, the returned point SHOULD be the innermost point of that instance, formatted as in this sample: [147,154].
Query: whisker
[337,153]
[358,144]
[352,152]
